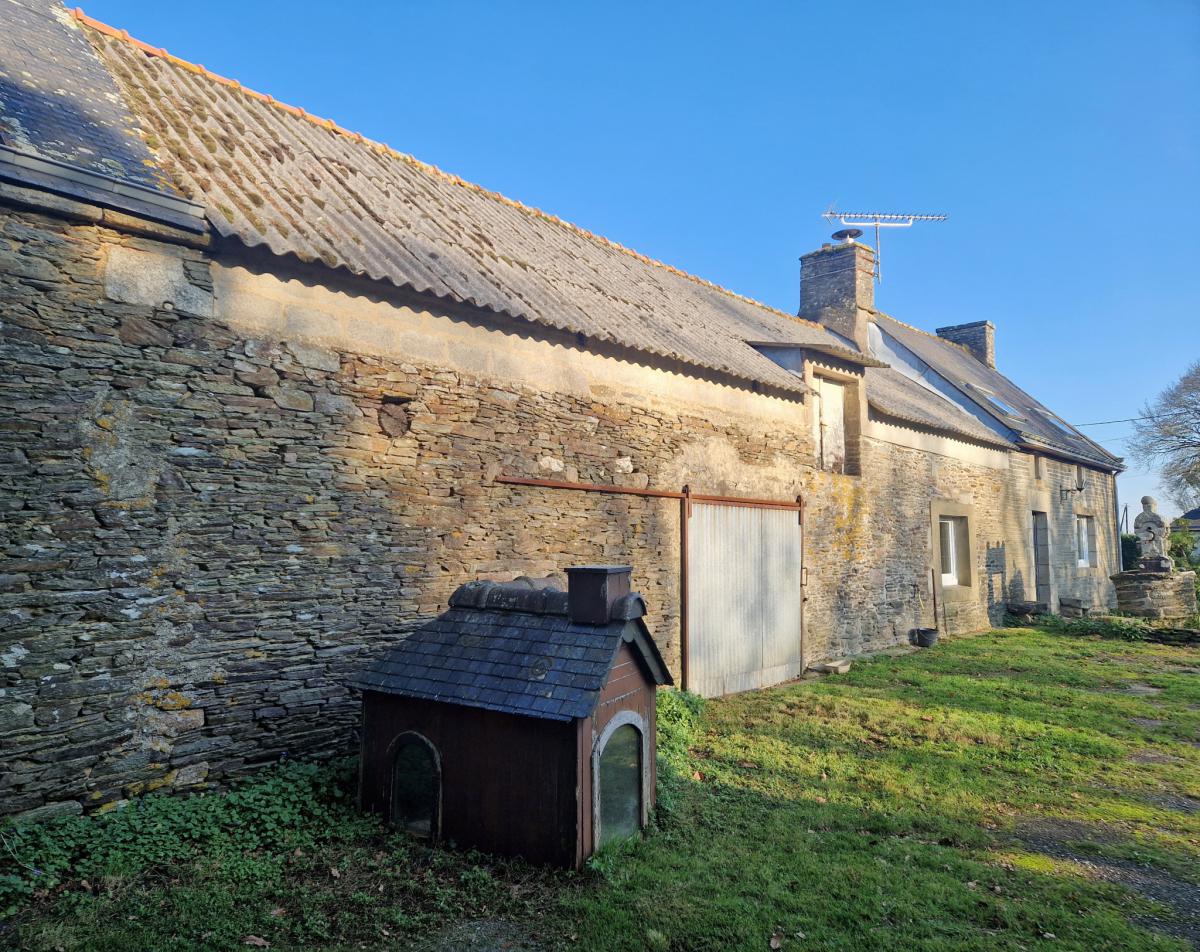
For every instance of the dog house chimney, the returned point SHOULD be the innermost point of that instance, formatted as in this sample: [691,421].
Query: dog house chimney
[592,590]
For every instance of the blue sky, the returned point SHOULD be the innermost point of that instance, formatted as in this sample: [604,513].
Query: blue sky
[1063,139]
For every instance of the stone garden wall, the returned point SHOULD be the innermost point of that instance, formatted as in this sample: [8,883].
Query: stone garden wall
[223,490]
[1170,595]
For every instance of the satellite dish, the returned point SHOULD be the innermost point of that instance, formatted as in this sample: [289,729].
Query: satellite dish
[848,234]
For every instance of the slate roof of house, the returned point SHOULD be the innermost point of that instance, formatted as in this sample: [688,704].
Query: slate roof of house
[64,127]
[1033,425]
[58,101]
[514,649]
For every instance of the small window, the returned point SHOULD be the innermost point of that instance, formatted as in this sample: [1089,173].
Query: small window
[620,780]
[1039,468]
[1085,540]
[954,550]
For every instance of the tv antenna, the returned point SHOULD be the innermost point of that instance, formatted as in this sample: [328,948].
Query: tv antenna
[854,222]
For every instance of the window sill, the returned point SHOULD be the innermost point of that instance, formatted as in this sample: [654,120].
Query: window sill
[958,593]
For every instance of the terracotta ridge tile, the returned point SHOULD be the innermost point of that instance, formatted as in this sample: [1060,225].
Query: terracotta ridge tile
[426,167]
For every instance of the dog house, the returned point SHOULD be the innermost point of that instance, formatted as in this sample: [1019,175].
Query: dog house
[520,721]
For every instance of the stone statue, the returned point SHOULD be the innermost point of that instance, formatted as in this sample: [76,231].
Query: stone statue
[1153,535]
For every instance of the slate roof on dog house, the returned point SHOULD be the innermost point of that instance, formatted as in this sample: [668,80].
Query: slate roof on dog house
[519,721]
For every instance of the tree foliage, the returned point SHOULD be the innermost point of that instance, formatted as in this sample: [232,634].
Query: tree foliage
[1168,437]
[1131,552]
[1180,546]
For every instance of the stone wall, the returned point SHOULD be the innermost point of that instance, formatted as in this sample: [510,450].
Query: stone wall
[1174,636]
[1170,595]
[870,540]
[224,489]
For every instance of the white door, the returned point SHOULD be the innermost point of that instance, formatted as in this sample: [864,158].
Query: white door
[829,412]
[743,598]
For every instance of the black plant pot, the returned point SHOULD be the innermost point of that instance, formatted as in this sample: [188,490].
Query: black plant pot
[924,637]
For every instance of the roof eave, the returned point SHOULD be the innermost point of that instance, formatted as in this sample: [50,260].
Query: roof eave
[637,635]
[232,240]
[460,702]
[831,350]
[947,431]
[1109,462]
[71,181]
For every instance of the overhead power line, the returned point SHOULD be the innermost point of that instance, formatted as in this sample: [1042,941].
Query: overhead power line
[1106,422]
[1157,416]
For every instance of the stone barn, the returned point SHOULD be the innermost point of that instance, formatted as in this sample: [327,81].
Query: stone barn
[521,721]
[274,391]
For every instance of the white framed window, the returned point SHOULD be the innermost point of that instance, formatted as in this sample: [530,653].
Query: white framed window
[1085,540]
[954,550]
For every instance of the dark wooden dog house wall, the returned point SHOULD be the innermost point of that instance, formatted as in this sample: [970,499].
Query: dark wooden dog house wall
[520,721]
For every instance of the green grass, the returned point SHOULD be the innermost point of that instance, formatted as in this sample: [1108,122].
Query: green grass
[877,810]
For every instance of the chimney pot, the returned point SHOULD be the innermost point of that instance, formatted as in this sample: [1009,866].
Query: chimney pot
[592,590]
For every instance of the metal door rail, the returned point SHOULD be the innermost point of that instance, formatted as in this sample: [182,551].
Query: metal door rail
[656,493]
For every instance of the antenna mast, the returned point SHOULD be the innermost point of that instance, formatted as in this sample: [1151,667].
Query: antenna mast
[877,220]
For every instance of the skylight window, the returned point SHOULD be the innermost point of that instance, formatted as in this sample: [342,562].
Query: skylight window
[1004,407]
[997,403]
[1059,424]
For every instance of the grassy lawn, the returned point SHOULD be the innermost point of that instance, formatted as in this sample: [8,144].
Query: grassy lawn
[1009,790]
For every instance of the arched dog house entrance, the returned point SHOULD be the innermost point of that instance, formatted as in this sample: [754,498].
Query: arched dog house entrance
[621,779]
[416,786]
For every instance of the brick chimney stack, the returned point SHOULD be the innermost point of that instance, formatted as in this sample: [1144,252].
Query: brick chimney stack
[837,289]
[592,590]
[979,338]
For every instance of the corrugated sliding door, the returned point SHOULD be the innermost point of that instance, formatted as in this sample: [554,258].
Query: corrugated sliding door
[743,598]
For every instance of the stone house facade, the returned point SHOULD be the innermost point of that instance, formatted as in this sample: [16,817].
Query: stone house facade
[271,392]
